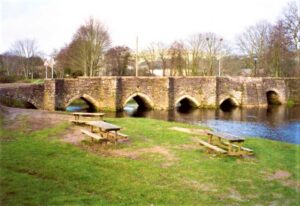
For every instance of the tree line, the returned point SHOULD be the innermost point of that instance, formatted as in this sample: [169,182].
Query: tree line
[263,49]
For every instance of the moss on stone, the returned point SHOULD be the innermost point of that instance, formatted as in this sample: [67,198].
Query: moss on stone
[290,103]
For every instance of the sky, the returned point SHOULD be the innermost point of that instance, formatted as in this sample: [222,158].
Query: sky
[52,23]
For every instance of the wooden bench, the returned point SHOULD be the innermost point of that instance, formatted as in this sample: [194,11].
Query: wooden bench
[79,121]
[242,148]
[212,147]
[107,130]
[92,135]
[85,114]
[232,143]
[119,135]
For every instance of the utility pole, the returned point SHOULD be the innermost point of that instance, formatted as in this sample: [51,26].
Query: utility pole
[136,56]
[220,67]
[220,58]
[255,65]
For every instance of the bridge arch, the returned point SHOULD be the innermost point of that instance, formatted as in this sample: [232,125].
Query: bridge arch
[228,103]
[273,97]
[187,100]
[94,104]
[31,104]
[19,102]
[141,99]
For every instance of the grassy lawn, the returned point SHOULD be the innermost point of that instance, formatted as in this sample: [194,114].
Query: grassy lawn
[158,166]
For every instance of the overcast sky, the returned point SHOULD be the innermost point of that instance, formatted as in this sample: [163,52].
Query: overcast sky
[53,22]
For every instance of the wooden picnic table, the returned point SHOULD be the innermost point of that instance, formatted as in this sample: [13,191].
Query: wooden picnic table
[232,143]
[104,128]
[87,114]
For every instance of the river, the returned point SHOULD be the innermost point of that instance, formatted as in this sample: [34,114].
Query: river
[279,123]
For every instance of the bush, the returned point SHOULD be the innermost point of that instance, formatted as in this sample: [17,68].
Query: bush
[8,79]
[77,73]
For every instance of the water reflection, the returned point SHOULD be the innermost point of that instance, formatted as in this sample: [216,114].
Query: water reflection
[275,122]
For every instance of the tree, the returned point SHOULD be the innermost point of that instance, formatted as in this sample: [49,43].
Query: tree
[291,23]
[149,56]
[280,55]
[60,61]
[177,53]
[117,60]
[213,47]
[254,43]
[196,46]
[26,49]
[10,65]
[162,51]
[87,49]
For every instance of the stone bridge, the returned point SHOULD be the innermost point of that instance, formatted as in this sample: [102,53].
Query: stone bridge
[112,93]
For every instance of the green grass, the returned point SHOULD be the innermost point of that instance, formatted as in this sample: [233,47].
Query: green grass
[39,169]
[34,81]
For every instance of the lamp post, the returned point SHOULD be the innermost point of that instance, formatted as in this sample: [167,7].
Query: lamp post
[255,64]
[51,64]
[46,64]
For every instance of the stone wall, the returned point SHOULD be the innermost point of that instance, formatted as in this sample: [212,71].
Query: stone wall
[277,85]
[244,91]
[250,91]
[200,90]
[101,92]
[293,89]
[31,93]
[153,90]
[112,93]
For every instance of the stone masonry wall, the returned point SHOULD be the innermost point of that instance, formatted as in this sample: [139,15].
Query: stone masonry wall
[111,93]
[201,89]
[32,93]
[293,89]
[250,91]
[101,92]
[156,89]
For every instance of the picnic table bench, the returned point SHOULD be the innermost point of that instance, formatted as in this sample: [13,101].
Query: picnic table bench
[106,130]
[93,135]
[85,114]
[226,143]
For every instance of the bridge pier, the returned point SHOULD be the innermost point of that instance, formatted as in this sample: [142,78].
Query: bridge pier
[49,95]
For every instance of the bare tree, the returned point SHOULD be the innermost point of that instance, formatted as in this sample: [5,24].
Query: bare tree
[196,46]
[162,51]
[26,49]
[117,60]
[213,47]
[149,56]
[254,43]
[10,64]
[60,62]
[279,54]
[87,49]
[291,23]
[177,53]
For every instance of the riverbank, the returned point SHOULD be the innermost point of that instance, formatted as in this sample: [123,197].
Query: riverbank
[45,160]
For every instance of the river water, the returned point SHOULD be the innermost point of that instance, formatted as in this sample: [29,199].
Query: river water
[275,122]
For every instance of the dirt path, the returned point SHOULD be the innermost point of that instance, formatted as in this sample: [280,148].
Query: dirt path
[6,85]
[35,119]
